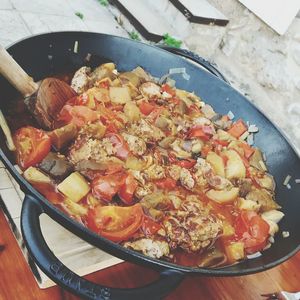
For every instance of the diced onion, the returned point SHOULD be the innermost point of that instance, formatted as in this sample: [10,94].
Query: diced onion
[173,71]
[253,128]
[254,255]
[75,49]
[297,180]
[250,139]
[285,234]
[230,115]
[287,179]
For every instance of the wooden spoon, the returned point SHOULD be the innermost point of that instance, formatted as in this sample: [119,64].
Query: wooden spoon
[45,99]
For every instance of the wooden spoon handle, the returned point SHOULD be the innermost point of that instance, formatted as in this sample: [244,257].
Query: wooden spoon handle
[11,70]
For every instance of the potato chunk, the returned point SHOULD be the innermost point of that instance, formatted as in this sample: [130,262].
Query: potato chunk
[223,197]
[132,112]
[217,163]
[235,167]
[34,175]
[119,95]
[235,251]
[75,187]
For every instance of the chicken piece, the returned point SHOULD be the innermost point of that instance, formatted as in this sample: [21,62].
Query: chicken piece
[142,191]
[155,172]
[191,227]
[136,145]
[186,179]
[205,173]
[88,148]
[80,80]
[146,131]
[264,198]
[150,90]
[149,247]
[174,171]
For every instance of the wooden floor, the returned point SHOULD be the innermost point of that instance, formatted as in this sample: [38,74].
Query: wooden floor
[17,282]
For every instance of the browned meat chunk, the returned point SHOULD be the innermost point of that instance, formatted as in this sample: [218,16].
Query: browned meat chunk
[191,227]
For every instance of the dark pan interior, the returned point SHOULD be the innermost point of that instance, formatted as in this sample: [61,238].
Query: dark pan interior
[48,54]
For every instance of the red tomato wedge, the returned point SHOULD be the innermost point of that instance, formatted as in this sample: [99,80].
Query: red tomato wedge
[146,108]
[252,230]
[166,88]
[32,145]
[115,223]
[184,163]
[237,129]
[166,183]
[121,147]
[202,132]
[127,189]
[79,115]
[107,186]
[149,226]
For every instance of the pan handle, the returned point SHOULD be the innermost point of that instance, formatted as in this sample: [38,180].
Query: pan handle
[54,269]
[197,59]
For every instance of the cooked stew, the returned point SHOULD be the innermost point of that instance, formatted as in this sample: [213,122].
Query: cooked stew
[154,168]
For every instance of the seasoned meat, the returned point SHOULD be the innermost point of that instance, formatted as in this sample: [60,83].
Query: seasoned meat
[174,171]
[88,148]
[150,90]
[136,145]
[186,179]
[245,185]
[149,247]
[80,81]
[155,172]
[191,227]
[56,165]
[146,131]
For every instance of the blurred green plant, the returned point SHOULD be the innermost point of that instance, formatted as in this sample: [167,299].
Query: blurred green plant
[103,2]
[134,35]
[171,41]
[79,15]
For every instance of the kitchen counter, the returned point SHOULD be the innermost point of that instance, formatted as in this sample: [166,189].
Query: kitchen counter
[17,281]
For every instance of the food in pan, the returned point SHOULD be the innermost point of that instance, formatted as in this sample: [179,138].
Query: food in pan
[154,168]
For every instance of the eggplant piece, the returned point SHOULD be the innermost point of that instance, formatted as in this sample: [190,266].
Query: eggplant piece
[56,166]
[264,198]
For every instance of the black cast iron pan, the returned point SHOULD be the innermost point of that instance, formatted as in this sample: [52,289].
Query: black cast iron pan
[33,55]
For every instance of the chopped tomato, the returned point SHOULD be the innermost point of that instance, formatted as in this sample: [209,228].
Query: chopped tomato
[193,109]
[221,142]
[248,151]
[111,127]
[127,189]
[115,223]
[184,163]
[202,132]
[146,108]
[106,186]
[205,149]
[149,226]
[79,115]
[166,88]
[32,145]
[252,230]
[166,183]
[104,84]
[237,129]
[120,145]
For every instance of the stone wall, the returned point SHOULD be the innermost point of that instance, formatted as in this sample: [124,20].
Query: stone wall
[260,63]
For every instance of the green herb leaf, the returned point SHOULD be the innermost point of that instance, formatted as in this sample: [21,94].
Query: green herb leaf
[79,15]
[103,2]
[134,35]
[170,41]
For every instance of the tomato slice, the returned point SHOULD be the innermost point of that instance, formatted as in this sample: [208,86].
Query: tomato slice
[184,163]
[121,147]
[166,183]
[79,115]
[146,108]
[166,88]
[107,186]
[127,189]
[115,223]
[202,132]
[149,226]
[252,230]
[32,145]
[237,129]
